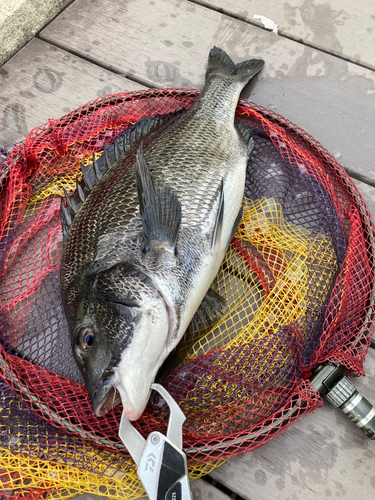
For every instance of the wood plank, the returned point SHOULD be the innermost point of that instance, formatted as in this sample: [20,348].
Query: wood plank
[340,27]
[165,43]
[323,455]
[21,19]
[368,194]
[204,491]
[42,81]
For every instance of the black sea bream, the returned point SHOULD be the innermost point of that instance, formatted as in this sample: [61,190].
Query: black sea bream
[142,249]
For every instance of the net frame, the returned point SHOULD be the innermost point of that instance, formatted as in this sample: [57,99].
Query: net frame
[306,398]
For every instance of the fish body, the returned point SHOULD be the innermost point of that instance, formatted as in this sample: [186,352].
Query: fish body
[149,238]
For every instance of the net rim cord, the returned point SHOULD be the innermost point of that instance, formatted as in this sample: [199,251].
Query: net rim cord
[299,406]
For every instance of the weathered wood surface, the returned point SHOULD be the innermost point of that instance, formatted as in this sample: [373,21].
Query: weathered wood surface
[321,456]
[21,19]
[165,43]
[340,27]
[368,194]
[42,81]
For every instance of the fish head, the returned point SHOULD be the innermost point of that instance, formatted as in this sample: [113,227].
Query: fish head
[120,339]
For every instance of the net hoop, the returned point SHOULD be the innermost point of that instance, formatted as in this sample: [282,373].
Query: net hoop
[306,398]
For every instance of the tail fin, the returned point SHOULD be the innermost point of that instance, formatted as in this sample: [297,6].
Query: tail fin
[220,64]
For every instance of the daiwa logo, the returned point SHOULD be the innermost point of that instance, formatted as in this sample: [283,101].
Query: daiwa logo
[150,462]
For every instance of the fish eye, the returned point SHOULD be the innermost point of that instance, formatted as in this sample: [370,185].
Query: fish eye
[85,338]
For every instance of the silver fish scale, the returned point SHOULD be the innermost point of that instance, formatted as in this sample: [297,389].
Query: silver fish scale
[90,223]
[192,157]
[120,285]
[134,271]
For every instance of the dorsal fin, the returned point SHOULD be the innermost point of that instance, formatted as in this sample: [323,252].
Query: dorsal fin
[115,149]
[113,154]
[95,164]
[66,219]
[80,192]
[86,178]
[73,204]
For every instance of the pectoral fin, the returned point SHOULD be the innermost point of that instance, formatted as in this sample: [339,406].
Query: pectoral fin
[236,223]
[216,234]
[159,207]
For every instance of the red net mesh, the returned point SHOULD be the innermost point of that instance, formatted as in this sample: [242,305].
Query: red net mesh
[237,390]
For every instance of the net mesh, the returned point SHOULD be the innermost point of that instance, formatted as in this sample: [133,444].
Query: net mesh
[297,284]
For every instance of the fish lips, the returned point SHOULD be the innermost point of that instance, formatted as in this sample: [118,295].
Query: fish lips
[105,398]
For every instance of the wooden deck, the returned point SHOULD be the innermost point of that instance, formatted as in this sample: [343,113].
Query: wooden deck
[319,73]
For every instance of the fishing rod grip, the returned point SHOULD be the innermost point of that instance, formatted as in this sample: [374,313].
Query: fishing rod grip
[357,408]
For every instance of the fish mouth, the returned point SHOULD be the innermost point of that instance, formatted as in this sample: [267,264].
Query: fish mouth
[106,397]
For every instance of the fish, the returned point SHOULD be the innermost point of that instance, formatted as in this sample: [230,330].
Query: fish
[209,313]
[145,233]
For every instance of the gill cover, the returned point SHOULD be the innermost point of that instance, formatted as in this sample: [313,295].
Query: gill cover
[124,325]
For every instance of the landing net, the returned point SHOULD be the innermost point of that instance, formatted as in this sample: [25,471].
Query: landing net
[297,284]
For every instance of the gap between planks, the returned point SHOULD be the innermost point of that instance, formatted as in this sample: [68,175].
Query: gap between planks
[165,44]
[313,18]
[355,175]
[98,64]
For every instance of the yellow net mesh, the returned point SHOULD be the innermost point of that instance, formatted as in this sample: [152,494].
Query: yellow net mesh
[22,474]
[290,268]
[64,175]
[254,312]
[295,259]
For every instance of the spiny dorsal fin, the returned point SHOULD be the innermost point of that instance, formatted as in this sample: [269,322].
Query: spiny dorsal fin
[71,202]
[80,192]
[86,178]
[66,219]
[159,207]
[95,163]
[112,155]
[115,148]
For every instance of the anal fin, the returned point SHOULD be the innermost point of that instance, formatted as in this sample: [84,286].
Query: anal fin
[210,311]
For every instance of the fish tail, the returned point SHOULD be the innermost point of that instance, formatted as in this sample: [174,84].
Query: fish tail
[220,64]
